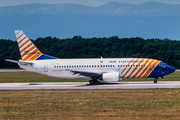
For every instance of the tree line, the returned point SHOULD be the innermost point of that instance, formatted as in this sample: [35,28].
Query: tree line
[112,47]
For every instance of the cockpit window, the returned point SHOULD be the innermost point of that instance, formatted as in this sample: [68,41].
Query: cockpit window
[163,64]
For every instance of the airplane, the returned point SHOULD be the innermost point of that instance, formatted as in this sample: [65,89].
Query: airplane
[104,69]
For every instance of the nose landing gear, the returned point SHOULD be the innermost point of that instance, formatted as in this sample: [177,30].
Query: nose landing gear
[155,81]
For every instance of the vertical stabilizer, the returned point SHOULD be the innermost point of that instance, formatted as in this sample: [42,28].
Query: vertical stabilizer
[28,51]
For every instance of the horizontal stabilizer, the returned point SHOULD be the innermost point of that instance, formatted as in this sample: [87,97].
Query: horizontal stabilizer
[19,62]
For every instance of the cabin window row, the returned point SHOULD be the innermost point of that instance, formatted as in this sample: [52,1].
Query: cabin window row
[84,66]
[131,65]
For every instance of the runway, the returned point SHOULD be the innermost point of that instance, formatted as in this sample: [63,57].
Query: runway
[86,85]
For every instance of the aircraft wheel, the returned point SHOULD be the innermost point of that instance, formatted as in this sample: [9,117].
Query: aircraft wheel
[155,81]
[91,82]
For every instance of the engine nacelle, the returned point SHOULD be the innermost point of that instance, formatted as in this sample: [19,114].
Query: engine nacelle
[111,77]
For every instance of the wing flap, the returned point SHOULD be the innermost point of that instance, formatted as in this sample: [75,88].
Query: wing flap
[86,73]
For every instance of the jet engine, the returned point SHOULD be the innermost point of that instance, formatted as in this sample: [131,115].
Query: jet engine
[111,77]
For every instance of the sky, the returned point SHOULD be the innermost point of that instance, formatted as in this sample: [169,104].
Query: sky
[92,3]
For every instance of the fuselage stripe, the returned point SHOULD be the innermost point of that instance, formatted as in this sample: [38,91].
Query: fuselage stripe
[146,69]
[130,68]
[149,69]
[122,64]
[153,67]
[126,66]
[134,69]
[142,69]
[137,70]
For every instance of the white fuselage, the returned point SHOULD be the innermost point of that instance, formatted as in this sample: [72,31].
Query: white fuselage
[127,67]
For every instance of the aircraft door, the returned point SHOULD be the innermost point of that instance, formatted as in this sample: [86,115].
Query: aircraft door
[151,66]
[46,67]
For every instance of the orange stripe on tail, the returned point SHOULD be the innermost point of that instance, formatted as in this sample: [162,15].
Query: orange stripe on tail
[29,51]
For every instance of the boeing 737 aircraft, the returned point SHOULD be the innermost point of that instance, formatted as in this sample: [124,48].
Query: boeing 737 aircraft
[107,70]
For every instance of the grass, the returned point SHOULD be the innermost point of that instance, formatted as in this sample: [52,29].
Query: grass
[13,77]
[9,77]
[87,104]
[91,104]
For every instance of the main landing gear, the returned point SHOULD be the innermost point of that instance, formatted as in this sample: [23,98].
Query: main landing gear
[93,81]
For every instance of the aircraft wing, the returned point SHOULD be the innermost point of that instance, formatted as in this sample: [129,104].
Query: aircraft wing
[86,73]
[19,62]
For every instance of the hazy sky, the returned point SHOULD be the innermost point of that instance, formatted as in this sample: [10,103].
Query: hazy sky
[83,2]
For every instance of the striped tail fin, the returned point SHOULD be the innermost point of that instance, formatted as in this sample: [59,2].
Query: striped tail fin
[28,51]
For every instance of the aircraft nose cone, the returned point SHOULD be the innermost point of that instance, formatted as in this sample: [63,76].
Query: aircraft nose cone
[170,69]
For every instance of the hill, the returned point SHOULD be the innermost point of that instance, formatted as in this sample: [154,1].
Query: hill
[148,20]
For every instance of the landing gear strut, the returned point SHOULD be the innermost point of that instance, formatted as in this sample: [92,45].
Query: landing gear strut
[93,81]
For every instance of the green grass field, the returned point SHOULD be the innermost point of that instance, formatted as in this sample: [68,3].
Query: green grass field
[153,104]
[7,77]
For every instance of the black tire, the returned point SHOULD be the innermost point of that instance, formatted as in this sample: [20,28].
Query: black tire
[91,82]
[155,81]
